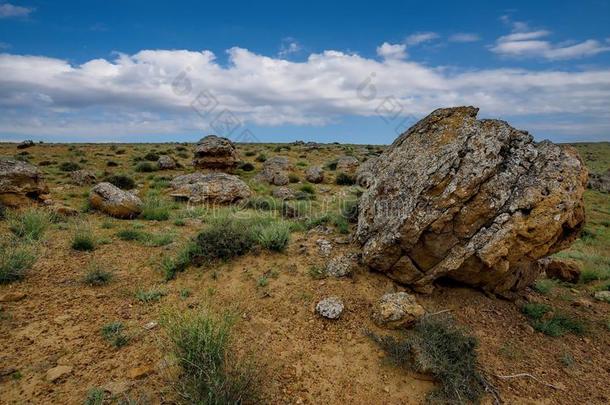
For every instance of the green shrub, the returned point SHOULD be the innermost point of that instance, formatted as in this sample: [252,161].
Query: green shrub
[293,178]
[308,188]
[121,181]
[544,286]
[534,310]
[211,373]
[332,165]
[83,241]
[556,325]
[172,265]
[29,224]
[344,179]
[15,260]
[69,167]
[95,396]
[155,209]
[114,334]
[145,167]
[151,156]
[223,240]
[152,295]
[261,158]
[440,348]
[97,276]
[273,237]
[130,234]
[246,167]
[250,153]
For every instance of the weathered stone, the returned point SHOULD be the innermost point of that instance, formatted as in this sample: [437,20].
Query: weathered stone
[600,181]
[20,183]
[364,174]
[166,162]
[284,193]
[561,270]
[397,310]
[324,247]
[114,201]
[215,153]
[57,373]
[82,177]
[340,266]
[314,174]
[274,171]
[217,188]
[602,296]
[347,164]
[476,201]
[330,307]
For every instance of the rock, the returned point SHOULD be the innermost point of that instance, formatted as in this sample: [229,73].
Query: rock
[284,193]
[215,153]
[20,183]
[25,144]
[340,266]
[216,188]
[560,270]
[330,307]
[364,174]
[114,201]
[12,297]
[397,310]
[324,246]
[117,387]
[82,177]
[151,325]
[475,201]
[602,296]
[137,373]
[600,181]
[274,171]
[314,174]
[166,162]
[347,164]
[57,373]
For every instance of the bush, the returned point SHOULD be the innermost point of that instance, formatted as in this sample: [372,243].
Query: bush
[95,396]
[69,167]
[96,276]
[556,325]
[544,286]
[440,348]
[111,163]
[261,158]
[308,188]
[83,241]
[223,240]
[155,209]
[246,167]
[274,236]
[263,203]
[15,260]
[114,334]
[145,167]
[250,153]
[211,374]
[293,178]
[121,181]
[332,165]
[130,234]
[152,295]
[29,224]
[344,179]
[172,265]
[151,156]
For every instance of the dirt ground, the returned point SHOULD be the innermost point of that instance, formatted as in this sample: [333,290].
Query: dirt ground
[302,358]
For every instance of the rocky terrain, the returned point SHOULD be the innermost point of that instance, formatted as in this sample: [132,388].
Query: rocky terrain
[335,267]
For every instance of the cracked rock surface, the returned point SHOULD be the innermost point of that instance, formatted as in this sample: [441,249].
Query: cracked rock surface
[473,200]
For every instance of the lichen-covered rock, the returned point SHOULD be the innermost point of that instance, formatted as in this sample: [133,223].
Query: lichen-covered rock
[284,193]
[602,296]
[82,177]
[473,200]
[561,270]
[166,162]
[215,153]
[314,174]
[340,266]
[20,183]
[115,202]
[600,181]
[331,307]
[364,174]
[216,188]
[275,171]
[347,164]
[397,310]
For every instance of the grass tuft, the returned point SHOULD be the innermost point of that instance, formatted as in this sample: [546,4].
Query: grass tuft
[15,260]
[114,333]
[29,224]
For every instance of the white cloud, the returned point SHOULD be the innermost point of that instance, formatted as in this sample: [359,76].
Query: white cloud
[8,10]
[153,91]
[420,38]
[524,42]
[392,51]
[464,37]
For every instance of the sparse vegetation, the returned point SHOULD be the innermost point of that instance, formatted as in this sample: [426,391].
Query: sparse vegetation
[148,296]
[274,236]
[545,320]
[29,224]
[97,276]
[83,240]
[155,209]
[344,179]
[15,259]
[69,167]
[145,167]
[114,333]
[122,181]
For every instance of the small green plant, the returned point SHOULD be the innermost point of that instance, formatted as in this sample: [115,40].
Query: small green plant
[224,239]
[293,178]
[97,276]
[151,156]
[15,260]
[544,286]
[261,158]
[130,234]
[170,266]
[122,181]
[148,296]
[274,236]
[69,167]
[317,272]
[246,167]
[83,241]
[262,281]
[155,209]
[556,324]
[29,224]
[185,293]
[534,310]
[114,333]
[145,167]
[95,396]
[308,188]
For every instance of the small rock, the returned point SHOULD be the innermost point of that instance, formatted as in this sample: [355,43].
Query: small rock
[151,325]
[137,373]
[12,297]
[58,372]
[561,270]
[330,307]
[397,310]
[340,266]
[602,296]
[117,387]
[324,246]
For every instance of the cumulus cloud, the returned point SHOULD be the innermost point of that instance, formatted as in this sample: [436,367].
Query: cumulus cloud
[176,91]
[420,38]
[464,37]
[392,51]
[8,10]
[525,42]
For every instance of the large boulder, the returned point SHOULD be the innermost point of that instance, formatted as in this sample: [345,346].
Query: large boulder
[115,202]
[314,174]
[275,171]
[473,200]
[20,183]
[216,188]
[166,162]
[215,153]
[600,181]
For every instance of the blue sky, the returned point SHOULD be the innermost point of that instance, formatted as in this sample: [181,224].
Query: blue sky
[277,71]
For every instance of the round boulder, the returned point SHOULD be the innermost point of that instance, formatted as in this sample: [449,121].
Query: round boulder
[20,183]
[347,164]
[284,193]
[473,200]
[115,202]
[166,162]
[82,177]
[274,171]
[216,188]
[314,174]
[397,310]
[215,153]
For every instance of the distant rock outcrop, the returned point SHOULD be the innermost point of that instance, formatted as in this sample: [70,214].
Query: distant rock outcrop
[600,181]
[473,200]
[217,188]
[20,183]
[115,202]
[215,153]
